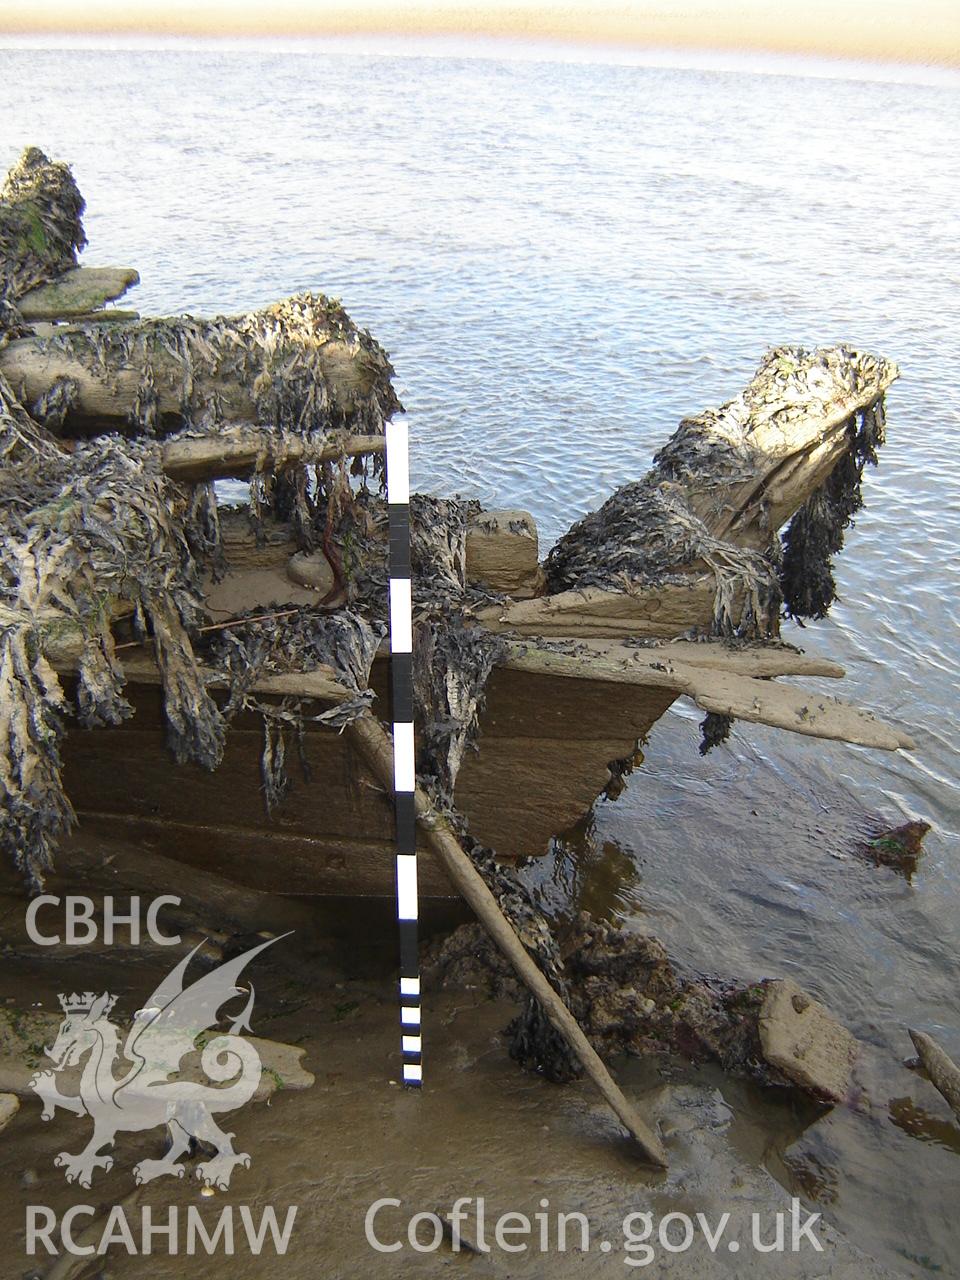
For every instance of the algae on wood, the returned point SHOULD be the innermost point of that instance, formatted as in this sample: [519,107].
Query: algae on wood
[79,292]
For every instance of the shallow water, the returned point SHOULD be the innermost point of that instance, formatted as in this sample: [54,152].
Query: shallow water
[563,259]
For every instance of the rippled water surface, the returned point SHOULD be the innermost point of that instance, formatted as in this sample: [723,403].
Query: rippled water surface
[563,259]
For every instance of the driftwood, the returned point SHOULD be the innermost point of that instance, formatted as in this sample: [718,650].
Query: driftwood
[944,1074]
[374,745]
[724,692]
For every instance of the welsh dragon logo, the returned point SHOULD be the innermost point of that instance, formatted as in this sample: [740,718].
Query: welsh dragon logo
[164,1032]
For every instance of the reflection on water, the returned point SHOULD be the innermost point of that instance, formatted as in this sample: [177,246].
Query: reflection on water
[563,260]
[585,873]
[920,1124]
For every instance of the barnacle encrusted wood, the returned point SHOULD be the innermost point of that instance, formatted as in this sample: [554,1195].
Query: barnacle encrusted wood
[40,228]
[300,365]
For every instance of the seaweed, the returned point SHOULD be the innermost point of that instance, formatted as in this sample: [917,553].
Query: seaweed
[83,534]
[646,535]
[816,532]
[41,230]
[714,730]
[711,484]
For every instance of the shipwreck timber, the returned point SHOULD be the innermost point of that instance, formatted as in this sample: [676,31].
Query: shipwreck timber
[673,588]
[237,640]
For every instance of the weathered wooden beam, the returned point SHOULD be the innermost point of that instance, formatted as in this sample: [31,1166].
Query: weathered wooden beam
[321,683]
[239,451]
[299,362]
[652,612]
[77,293]
[761,660]
[725,693]
[791,422]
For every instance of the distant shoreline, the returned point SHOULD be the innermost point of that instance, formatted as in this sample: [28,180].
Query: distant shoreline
[731,61]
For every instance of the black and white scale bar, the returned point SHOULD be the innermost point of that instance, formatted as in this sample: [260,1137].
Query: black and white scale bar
[404,770]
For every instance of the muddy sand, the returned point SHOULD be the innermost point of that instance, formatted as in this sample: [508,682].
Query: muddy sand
[480,1128]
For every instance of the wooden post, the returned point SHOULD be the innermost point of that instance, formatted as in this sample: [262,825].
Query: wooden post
[374,745]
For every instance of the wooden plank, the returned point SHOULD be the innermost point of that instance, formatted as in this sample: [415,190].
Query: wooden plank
[239,451]
[756,659]
[266,860]
[545,747]
[77,293]
[761,701]
[652,612]
[131,771]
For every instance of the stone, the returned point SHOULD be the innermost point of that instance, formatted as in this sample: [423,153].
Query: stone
[23,1036]
[802,1039]
[311,569]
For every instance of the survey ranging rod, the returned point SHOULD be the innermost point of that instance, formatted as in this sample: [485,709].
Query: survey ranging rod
[404,766]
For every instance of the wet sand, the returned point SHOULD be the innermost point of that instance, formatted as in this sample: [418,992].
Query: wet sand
[480,1128]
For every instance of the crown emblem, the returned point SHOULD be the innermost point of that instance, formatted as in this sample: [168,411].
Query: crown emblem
[75,1004]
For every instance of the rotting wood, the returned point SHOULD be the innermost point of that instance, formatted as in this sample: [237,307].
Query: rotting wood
[320,684]
[660,612]
[300,362]
[238,452]
[759,660]
[725,693]
[943,1072]
[502,550]
[374,745]
[79,292]
[796,449]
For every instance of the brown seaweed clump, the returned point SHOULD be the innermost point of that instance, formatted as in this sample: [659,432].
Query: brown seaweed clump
[646,535]
[628,996]
[816,533]
[79,532]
